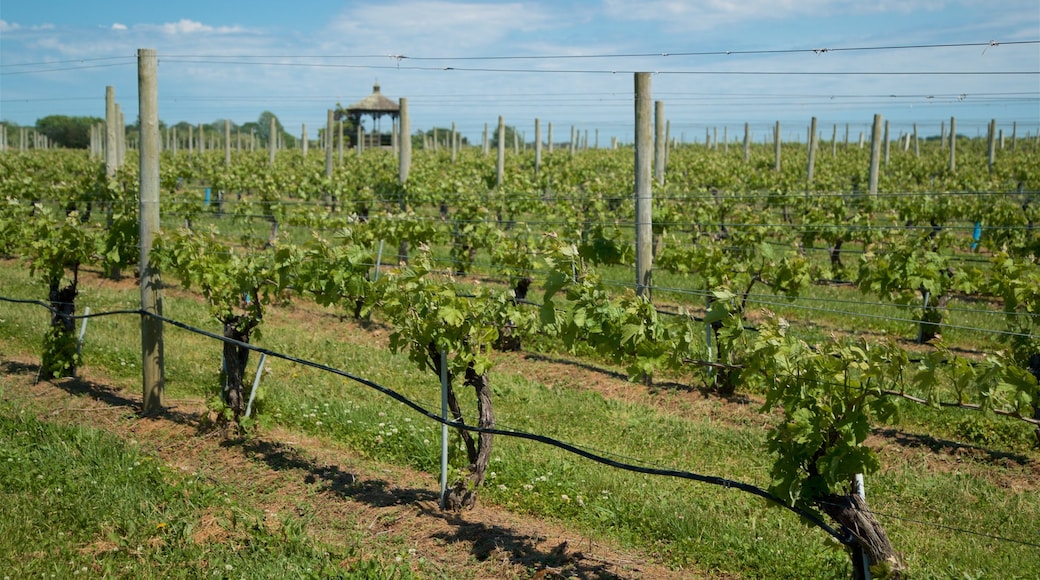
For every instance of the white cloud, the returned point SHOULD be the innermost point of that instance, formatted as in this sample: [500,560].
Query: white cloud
[118,26]
[6,26]
[186,26]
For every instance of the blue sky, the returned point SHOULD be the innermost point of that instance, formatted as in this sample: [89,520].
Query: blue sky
[570,62]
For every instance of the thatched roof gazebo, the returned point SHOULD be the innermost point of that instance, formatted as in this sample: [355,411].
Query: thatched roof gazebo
[375,105]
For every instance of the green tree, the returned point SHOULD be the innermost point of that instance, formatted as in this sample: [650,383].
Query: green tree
[263,129]
[65,131]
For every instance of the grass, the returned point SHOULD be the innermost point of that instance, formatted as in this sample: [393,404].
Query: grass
[933,471]
[82,502]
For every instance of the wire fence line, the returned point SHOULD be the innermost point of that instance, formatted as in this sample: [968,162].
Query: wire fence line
[625,463]
[843,537]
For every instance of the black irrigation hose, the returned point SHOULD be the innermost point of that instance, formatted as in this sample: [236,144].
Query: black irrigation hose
[846,538]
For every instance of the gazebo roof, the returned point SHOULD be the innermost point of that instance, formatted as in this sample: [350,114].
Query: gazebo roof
[375,104]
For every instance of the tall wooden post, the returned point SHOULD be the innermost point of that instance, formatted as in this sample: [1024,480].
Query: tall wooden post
[303,139]
[886,143]
[227,143]
[152,362]
[454,144]
[643,159]
[404,163]
[917,143]
[537,146]
[120,136]
[776,147]
[329,124]
[111,149]
[812,157]
[338,140]
[501,163]
[659,142]
[992,144]
[272,141]
[953,144]
[550,140]
[747,142]
[875,155]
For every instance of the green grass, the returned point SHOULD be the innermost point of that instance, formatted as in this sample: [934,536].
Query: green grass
[687,524]
[80,502]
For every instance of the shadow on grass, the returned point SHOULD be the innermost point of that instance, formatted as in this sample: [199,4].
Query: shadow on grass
[111,396]
[484,540]
[488,541]
[938,445]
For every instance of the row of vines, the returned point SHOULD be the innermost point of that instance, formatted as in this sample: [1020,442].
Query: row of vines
[479,266]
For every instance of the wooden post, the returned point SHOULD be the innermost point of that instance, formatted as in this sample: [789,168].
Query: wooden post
[111,152]
[572,140]
[953,144]
[272,141]
[812,156]
[303,139]
[643,159]
[834,141]
[454,145]
[202,138]
[405,160]
[550,138]
[991,144]
[360,139]
[537,146]
[404,164]
[917,143]
[337,139]
[747,142]
[328,141]
[152,363]
[1014,135]
[120,136]
[776,147]
[227,143]
[485,144]
[886,142]
[667,142]
[501,163]
[942,135]
[659,142]
[875,155]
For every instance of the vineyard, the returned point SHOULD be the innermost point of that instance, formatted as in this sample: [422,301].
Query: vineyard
[854,319]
